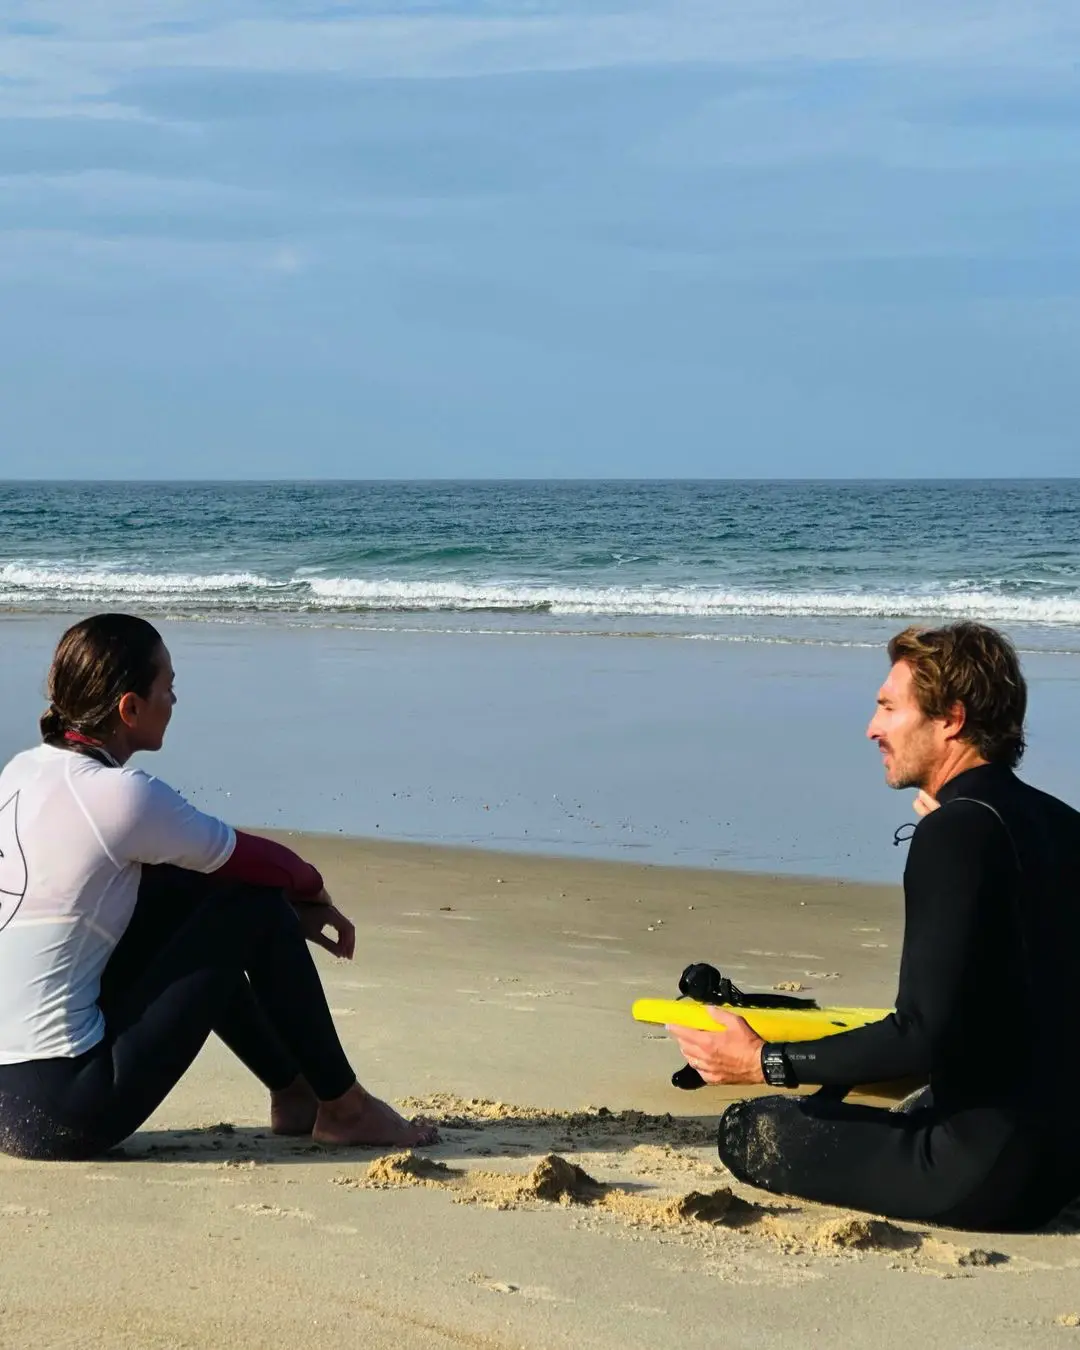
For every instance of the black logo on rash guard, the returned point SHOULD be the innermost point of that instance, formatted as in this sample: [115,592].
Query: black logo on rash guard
[12,862]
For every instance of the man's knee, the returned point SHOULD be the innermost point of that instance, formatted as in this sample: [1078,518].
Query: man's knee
[750,1138]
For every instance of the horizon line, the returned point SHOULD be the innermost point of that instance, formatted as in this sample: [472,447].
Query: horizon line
[444,479]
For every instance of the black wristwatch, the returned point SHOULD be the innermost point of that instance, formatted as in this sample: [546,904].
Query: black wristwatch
[775,1066]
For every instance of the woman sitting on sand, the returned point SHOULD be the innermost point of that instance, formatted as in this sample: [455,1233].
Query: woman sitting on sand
[132,925]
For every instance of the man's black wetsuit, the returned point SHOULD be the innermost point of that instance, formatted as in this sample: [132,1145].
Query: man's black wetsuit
[988,1011]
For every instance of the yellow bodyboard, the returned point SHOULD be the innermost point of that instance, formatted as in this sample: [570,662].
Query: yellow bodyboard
[772,1024]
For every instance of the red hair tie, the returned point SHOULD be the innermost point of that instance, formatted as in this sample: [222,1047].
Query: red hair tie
[77,738]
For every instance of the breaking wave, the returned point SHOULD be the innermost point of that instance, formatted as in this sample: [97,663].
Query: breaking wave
[64,587]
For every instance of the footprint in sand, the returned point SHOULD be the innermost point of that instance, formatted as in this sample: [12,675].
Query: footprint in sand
[22,1212]
[527,1291]
[264,1211]
[494,1286]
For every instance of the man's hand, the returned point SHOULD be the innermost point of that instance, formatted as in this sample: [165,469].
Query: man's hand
[321,913]
[731,1056]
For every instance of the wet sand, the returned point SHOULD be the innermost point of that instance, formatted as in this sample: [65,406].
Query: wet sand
[575,1199]
[748,756]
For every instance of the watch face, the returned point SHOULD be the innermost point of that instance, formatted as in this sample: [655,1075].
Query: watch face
[774,1068]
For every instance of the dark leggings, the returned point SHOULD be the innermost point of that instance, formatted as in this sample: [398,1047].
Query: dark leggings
[978,1168]
[197,957]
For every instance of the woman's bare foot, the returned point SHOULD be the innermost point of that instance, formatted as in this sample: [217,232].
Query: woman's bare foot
[293,1110]
[358,1118]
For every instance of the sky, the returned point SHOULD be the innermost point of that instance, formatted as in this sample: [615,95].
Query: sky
[253,238]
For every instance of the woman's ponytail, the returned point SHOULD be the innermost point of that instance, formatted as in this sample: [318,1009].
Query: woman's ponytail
[52,725]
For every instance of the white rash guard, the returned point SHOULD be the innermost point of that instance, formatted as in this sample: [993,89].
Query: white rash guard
[73,835]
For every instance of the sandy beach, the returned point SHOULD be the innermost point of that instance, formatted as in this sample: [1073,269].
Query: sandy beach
[528,429]
[492,992]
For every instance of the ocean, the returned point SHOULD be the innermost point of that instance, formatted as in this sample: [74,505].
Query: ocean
[820,562]
[379,659]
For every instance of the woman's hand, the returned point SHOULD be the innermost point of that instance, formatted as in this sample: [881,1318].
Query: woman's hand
[924,803]
[321,913]
[730,1056]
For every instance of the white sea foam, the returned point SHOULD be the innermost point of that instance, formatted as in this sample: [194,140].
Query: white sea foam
[51,581]
[45,585]
[695,601]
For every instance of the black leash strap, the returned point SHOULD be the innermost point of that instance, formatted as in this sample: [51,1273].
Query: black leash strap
[704,984]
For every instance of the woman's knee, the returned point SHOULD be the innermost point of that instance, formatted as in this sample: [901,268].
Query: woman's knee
[265,908]
[239,922]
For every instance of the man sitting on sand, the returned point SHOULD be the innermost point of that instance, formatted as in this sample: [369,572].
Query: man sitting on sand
[987,1010]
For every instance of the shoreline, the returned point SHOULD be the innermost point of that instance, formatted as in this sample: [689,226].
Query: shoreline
[1031,640]
[478,853]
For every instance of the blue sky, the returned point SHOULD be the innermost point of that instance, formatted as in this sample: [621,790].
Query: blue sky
[756,238]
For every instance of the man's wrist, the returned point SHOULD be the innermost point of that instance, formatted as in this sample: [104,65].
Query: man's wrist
[776,1069]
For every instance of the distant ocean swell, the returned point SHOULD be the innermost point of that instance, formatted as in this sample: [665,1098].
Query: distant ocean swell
[61,587]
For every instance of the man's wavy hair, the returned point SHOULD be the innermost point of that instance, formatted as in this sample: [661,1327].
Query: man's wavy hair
[976,666]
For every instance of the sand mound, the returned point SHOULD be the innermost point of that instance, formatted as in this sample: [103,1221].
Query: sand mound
[553,1178]
[693,1210]
[402,1169]
[949,1254]
[720,1206]
[855,1233]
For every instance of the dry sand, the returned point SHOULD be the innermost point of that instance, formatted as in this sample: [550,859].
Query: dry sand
[575,1199]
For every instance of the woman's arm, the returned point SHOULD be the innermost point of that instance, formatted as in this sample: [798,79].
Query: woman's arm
[141,819]
[262,862]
